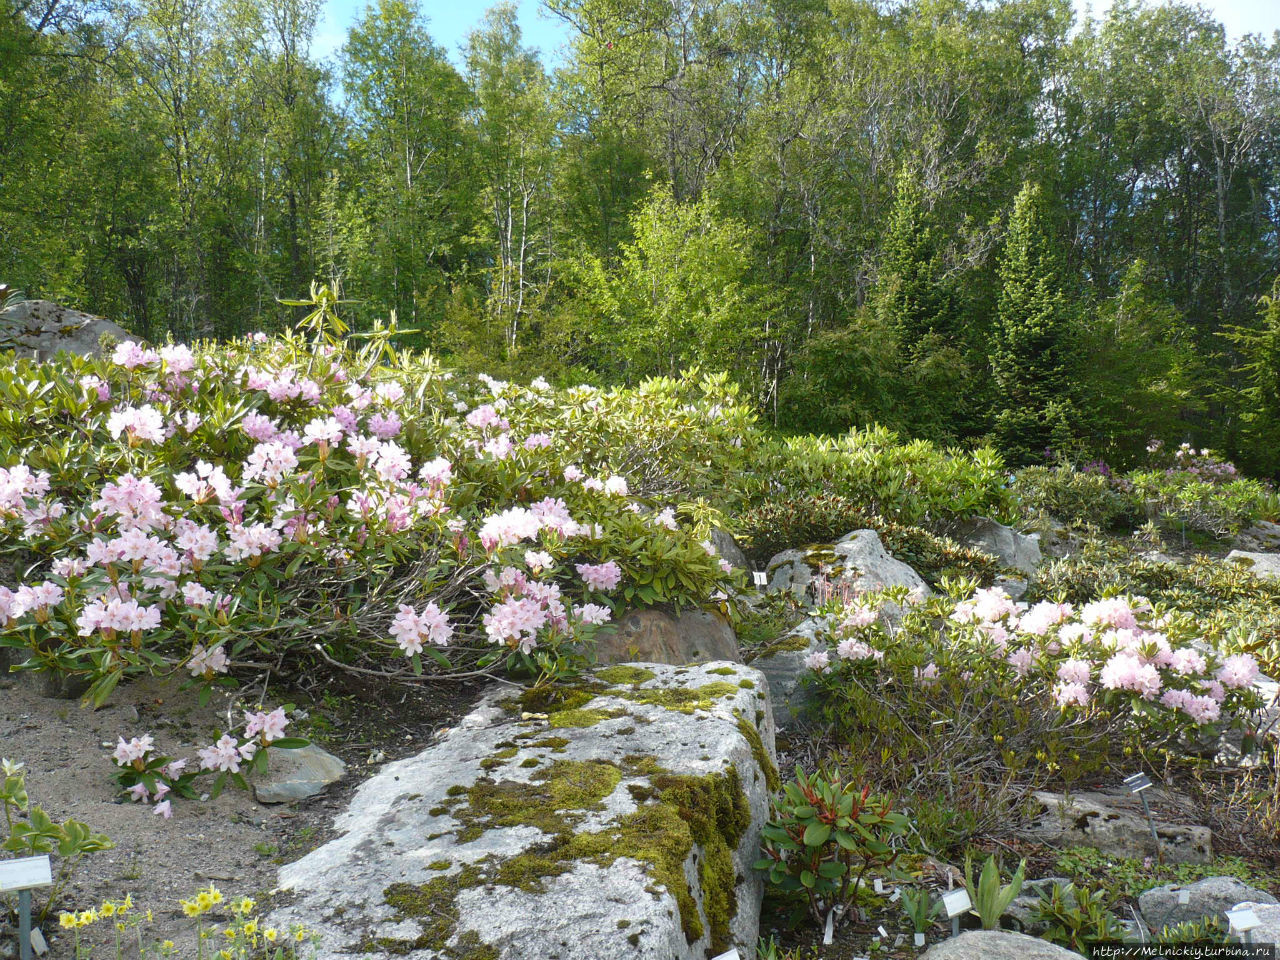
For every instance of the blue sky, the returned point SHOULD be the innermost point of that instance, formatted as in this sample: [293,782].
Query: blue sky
[451,20]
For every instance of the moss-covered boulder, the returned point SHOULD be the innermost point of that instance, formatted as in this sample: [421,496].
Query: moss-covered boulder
[619,817]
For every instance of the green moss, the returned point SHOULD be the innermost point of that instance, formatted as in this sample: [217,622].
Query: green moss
[583,718]
[724,671]
[760,754]
[624,675]
[530,762]
[499,758]
[623,924]
[440,865]
[554,801]
[434,906]
[551,700]
[790,642]
[683,699]
[552,743]
[746,683]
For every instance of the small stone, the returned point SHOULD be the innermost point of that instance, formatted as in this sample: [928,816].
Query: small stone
[297,774]
[1212,896]
[38,945]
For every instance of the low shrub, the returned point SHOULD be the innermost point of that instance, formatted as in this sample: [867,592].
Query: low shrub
[1076,497]
[1233,609]
[1183,499]
[978,691]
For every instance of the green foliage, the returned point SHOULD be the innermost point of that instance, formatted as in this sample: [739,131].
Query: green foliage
[1181,499]
[989,897]
[1126,877]
[825,835]
[1205,930]
[920,908]
[1073,496]
[909,482]
[1033,348]
[1076,917]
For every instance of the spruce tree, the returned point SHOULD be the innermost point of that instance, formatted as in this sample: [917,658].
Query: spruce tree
[1033,346]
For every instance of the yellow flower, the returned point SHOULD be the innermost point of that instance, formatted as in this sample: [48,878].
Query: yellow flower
[108,909]
[251,927]
[244,905]
[167,945]
[86,917]
[190,908]
[214,894]
[225,954]
[229,932]
[120,925]
[127,903]
[66,920]
[300,934]
[270,934]
[204,901]
[149,920]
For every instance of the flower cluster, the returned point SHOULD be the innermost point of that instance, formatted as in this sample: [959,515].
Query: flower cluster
[1114,655]
[250,490]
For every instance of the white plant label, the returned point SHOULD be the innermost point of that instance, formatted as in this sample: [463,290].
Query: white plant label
[955,903]
[879,885]
[25,874]
[919,939]
[1184,896]
[762,580]
[731,955]
[1242,919]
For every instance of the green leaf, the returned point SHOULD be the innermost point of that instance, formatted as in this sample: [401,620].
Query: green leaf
[816,834]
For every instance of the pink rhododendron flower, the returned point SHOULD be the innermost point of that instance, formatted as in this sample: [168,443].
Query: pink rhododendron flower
[850,649]
[135,749]
[1187,662]
[131,355]
[510,526]
[483,416]
[818,662]
[593,613]
[926,676]
[573,474]
[1239,670]
[96,386]
[386,425]
[516,620]
[269,725]
[1114,612]
[600,576]
[1042,616]
[1075,671]
[259,427]
[163,809]
[412,629]
[1124,671]
[223,755]
[270,462]
[1021,661]
[140,423]
[138,792]
[1068,693]
[205,662]
[325,430]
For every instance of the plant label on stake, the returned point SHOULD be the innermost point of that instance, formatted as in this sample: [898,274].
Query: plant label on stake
[954,904]
[761,578]
[22,876]
[731,955]
[1242,920]
[1136,784]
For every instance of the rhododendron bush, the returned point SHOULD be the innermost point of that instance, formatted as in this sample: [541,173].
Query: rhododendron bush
[196,508]
[1049,688]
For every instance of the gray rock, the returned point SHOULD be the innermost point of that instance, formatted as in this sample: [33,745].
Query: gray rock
[297,774]
[660,635]
[1014,587]
[1268,930]
[1116,825]
[41,328]
[1263,536]
[858,557]
[1259,564]
[539,834]
[728,548]
[1015,550]
[1212,896]
[782,663]
[996,945]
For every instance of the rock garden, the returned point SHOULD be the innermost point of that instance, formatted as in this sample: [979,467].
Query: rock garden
[315,648]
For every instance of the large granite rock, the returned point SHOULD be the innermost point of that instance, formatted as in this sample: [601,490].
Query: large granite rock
[996,945]
[620,821]
[1116,824]
[297,774]
[1259,564]
[40,328]
[858,557]
[1212,896]
[660,635]
[1017,551]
